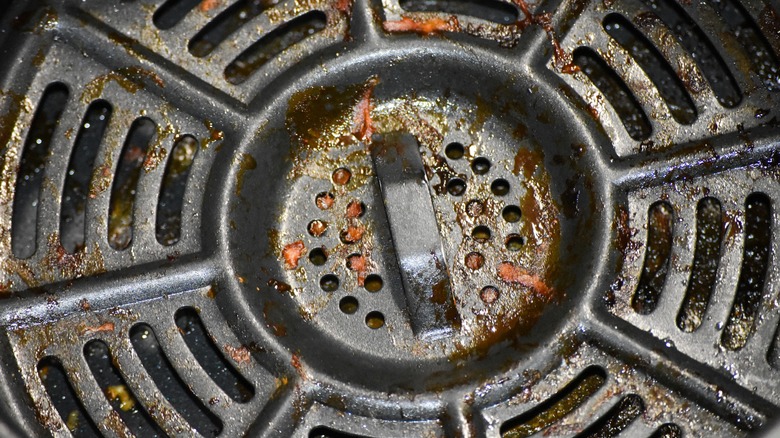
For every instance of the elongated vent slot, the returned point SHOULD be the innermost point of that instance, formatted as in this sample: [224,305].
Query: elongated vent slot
[706,258]
[695,41]
[657,254]
[326,432]
[128,172]
[229,21]
[615,91]
[556,407]
[752,277]
[271,45]
[82,162]
[490,10]
[210,357]
[668,430]
[170,384]
[171,12]
[64,399]
[748,34]
[119,395]
[32,167]
[174,184]
[617,419]
[659,71]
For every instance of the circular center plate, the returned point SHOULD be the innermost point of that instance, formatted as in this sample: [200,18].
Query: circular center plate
[401,225]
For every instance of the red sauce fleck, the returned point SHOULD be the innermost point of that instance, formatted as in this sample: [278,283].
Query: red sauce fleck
[562,60]
[317,228]
[240,355]
[325,201]
[207,5]
[353,233]
[510,273]
[359,264]
[354,210]
[474,260]
[105,327]
[342,176]
[363,127]
[424,27]
[292,253]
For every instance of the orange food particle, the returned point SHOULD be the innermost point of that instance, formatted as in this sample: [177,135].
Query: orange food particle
[354,210]
[240,355]
[363,125]
[353,233]
[344,6]
[292,253]
[207,5]
[325,201]
[474,260]
[342,176]
[105,327]
[317,228]
[510,273]
[424,27]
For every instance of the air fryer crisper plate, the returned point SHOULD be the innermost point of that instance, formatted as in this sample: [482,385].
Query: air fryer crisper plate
[385,218]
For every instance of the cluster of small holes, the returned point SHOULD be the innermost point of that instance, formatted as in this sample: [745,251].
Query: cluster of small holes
[475,208]
[317,228]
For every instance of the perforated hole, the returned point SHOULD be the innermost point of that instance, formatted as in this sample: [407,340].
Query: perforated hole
[325,200]
[480,166]
[500,187]
[456,187]
[341,176]
[349,305]
[474,260]
[317,228]
[514,242]
[489,294]
[617,419]
[511,213]
[318,256]
[481,234]
[329,283]
[375,320]
[454,151]
[373,283]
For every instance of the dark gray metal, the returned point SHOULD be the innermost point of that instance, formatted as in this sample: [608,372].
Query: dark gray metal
[505,90]
[407,193]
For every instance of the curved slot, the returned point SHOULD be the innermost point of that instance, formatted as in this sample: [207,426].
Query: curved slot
[668,430]
[326,432]
[171,12]
[82,161]
[657,254]
[755,262]
[115,388]
[63,398]
[556,407]
[749,35]
[32,167]
[210,358]
[694,40]
[615,91]
[617,419]
[128,172]
[174,183]
[274,43]
[229,21]
[170,384]
[706,258]
[655,65]
[489,10]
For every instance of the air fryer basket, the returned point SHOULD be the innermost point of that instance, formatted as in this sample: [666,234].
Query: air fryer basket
[389,218]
